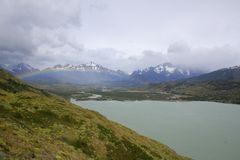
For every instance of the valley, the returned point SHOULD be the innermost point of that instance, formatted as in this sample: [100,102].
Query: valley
[217,91]
[162,82]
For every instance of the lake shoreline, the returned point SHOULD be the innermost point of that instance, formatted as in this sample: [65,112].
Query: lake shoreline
[130,100]
[187,126]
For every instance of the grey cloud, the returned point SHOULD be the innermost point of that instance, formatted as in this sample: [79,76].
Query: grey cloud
[151,58]
[99,5]
[43,14]
[205,58]
[26,26]
[116,34]
[178,47]
[184,55]
[7,57]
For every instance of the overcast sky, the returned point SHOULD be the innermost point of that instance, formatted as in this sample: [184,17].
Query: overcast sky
[121,34]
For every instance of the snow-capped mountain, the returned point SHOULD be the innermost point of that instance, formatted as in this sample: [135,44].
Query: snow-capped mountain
[163,72]
[85,74]
[19,69]
[88,67]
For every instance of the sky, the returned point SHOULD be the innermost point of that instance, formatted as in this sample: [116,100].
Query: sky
[121,34]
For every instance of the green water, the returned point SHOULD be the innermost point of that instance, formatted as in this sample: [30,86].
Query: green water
[201,130]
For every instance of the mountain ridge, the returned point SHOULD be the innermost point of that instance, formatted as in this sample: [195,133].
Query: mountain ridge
[92,73]
[230,73]
[19,69]
[164,72]
[83,67]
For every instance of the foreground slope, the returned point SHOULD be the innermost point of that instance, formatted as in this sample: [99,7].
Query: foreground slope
[37,125]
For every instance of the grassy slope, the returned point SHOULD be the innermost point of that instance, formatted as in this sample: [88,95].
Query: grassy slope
[36,124]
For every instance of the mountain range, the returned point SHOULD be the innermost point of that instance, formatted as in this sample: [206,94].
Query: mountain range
[92,73]
[84,74]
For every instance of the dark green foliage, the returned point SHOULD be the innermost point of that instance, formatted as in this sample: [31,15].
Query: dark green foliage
[107,134]
[225,85]
[4,107]
[126,149]
[82,144]
[12,86]
[225,91]
[2,155]
[69,120]
[119,149]
[43,118]
[152,153]
[46,93]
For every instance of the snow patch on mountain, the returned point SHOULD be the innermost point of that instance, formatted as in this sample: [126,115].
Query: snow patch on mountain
[158,69]
[164,72]
[88,67]
[170,69]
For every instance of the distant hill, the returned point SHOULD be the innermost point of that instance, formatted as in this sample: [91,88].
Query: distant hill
[37,125]
[164,72]
[231,73]
[7,67]
[222,86]
[19,69]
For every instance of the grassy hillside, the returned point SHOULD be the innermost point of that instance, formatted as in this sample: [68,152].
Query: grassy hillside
[37,125]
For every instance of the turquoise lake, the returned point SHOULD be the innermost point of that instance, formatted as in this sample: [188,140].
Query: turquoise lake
[200,130]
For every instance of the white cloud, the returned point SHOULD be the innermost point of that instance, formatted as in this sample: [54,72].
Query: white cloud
[207,58]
